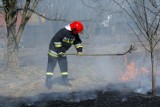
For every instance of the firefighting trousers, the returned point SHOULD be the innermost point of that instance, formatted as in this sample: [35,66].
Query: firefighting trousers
[62,62]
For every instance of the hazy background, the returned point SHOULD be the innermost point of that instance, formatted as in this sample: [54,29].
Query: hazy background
[106,31]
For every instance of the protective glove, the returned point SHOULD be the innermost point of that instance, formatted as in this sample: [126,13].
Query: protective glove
[62,54]
[79,54]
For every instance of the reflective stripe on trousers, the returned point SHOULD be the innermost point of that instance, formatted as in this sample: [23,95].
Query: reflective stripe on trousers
[64,73]
[52,61]
[49,73]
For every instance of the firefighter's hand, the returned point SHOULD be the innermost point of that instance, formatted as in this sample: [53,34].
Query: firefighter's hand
[79,54]
[62,54]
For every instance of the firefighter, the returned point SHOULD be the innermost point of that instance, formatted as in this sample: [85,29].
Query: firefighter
[60,43]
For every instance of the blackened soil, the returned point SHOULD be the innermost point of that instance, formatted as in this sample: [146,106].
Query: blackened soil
[111,99]
[105,99]
[100,98]
[116,99]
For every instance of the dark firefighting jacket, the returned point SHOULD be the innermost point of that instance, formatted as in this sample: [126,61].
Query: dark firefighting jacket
[62,41]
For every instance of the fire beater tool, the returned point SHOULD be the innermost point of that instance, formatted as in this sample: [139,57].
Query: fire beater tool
[111,54]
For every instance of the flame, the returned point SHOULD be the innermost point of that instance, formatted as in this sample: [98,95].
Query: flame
[131,72]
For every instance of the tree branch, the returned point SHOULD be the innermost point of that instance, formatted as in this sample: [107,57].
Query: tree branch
[97,9]
[25,13]
[139,38]
[33,8]
[54,19]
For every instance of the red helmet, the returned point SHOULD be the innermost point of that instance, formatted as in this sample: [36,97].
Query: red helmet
[76,27]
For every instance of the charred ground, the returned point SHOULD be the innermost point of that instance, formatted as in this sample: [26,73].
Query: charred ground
[99,98]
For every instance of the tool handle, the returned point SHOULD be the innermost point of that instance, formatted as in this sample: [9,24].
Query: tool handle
[114,54]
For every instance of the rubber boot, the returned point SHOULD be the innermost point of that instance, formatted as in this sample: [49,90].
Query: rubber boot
[48,82]
[65,81]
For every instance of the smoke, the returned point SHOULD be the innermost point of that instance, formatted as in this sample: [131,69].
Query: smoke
[87,73]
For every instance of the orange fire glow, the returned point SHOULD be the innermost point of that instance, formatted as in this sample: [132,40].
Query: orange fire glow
[144,70]
[132,72]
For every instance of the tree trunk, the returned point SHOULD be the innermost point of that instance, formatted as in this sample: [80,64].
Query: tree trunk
[153,74]
[12,60]
[13,36]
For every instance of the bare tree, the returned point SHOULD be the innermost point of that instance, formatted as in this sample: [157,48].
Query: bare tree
[11,11]
[146,16]
[20,11]
[17,11]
